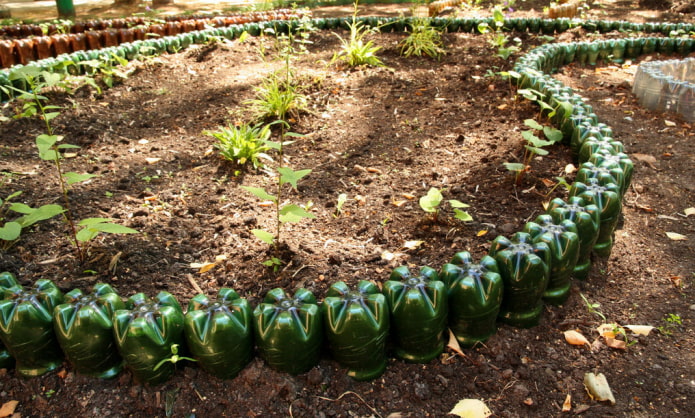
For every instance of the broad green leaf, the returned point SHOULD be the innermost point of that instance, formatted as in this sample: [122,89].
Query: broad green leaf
[40,214]
[86,234]
[457,204]
[529,136]
[554,135]
[528,94]
[11,196]
[536,150]
[21,208]
[533,124]
[51,79]
[497,15]
[73,177]
[45,145]
[10,231]
[294,135]
[430,202]
[294,213]
[50,116]
[264,236]
[287,175]
[112,228]
[464,216]
[515,166]
[93,221]
[260,193]
[68,146]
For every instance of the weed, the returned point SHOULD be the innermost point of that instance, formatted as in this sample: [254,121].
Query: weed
[243,143]
[497,38]
[355,51]
[534,146]
[432,200]
[10,231]
[593,308]
[673,322]
[175,358]
[342,198]
[423,39]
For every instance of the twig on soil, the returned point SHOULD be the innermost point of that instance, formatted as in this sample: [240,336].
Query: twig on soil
[193,283]
[349,393]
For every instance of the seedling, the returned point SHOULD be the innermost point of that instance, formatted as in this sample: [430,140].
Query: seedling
[355,51]
[673,321]
[534,146]
[175,358]
[423,39]
[242,144]
[342,198]
[431,202]
[593,308]
[497,38]
[10,231]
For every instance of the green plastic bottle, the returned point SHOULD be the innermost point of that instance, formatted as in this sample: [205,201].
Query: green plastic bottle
[608,173]
[289,331]
[84,330]
[524,267]
[418,306]
[605,158]
[587,219]
[563,240]
[7,280]
[608,200]
[219,333]
[145,333]
[356,326]
[26,327]
[475,293]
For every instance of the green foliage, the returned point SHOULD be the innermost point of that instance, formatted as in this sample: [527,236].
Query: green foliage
[50,148]
[11,230]
[497,38]
[431,202]
[175,357]
[355,51]
[423,39]
[242,144]
[534,146]
[342,198]
[278,96]
[593,308]
[673,322]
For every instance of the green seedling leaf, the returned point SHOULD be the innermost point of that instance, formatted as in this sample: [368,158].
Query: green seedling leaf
[21,208]
[40,214]
[11,196]
[10,231]
[533,124]
[287,175]
[518,167]
[342,198]
[461,215]
[93,226]
[112,228]
[45,145]
[260,193]
[92,221]
[430,202]
[67,146]
[293,214]
[536,150]
[458,204]
[264,236]
[50,116]
[554,135]
[72,177]
[544,105]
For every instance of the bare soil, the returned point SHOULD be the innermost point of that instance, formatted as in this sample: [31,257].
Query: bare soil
[383,136]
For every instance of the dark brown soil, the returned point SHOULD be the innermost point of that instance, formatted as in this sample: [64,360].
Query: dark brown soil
[383,136]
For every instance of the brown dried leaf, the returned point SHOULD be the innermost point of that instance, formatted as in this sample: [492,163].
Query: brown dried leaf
[567,405]
[471,408]
[607,330]
[640,329]
[8,408]
[481,233]
[597,387]
[454,344]
[618,344]
[575,338]
[674,236]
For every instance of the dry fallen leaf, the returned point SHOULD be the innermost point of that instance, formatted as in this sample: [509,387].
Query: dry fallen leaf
[398,203]
[481,233]
[471,408]
[669,123]
[674,236]
[567,405]
[575,338]
[597,387]
[689,211]
[409,196]
[413,245]
[152,160]
[648,159]
[613,343]
[640,329]
[453,344]
[570,168]
[8,408]
[608,330]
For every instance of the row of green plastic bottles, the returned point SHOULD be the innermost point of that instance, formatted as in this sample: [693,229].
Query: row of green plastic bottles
[587,53]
